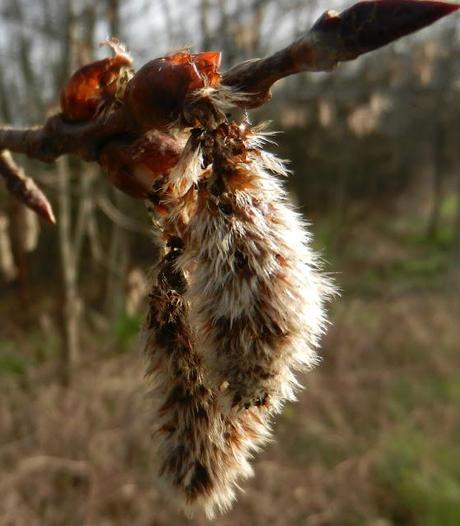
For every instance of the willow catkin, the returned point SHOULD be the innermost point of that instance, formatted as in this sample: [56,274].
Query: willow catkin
[201,453]
[256,294]
[236,307]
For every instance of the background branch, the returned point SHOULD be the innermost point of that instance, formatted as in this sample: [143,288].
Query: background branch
[24,188]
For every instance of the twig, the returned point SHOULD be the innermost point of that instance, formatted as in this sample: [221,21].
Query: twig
[334,38]
[24,188]
[117,217]
[58,137]
[29,466]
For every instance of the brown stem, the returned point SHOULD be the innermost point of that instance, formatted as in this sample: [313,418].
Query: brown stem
[334,38]
[58,137]
[24,188]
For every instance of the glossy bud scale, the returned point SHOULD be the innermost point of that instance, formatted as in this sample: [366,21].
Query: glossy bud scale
[92,86]
[156,94]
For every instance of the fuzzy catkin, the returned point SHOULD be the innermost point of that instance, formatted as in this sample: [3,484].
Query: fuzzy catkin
[201,453]
[236,308]
[256,296]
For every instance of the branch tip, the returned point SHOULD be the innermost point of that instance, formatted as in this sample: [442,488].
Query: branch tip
[24,189]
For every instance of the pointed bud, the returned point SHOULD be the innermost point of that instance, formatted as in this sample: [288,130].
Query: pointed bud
[371,24]
[24,188]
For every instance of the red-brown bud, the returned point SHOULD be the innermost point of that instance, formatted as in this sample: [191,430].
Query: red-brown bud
[371,24]
[92,86]
[157,92]
[135,167]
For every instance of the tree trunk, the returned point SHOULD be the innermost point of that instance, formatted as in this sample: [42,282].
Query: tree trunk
[71,303]
[439,168]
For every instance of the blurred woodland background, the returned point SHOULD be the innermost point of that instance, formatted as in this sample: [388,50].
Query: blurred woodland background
[375,437]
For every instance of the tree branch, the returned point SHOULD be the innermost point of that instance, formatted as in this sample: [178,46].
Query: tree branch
[334,38]
[58,137]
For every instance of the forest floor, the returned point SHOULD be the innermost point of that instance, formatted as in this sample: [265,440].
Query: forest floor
[374,439]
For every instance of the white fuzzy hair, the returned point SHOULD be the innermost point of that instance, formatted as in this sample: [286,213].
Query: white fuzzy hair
[237,309]
[256,295]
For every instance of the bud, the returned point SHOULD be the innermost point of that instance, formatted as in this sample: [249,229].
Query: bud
[135,167]
[156,94]
[372,24]
[95,86]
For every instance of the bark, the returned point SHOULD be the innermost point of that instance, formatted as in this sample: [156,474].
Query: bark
[206,38]
[118,259]
[457,225]
[71,310]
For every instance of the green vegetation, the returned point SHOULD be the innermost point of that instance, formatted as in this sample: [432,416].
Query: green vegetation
[127,329]
[421,476]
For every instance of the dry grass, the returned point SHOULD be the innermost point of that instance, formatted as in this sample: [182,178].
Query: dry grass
[382,408]
[373,440]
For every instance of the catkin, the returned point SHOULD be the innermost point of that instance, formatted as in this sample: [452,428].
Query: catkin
[236,309]
[256,296]
[201,453]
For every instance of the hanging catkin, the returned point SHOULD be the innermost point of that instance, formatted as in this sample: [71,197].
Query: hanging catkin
[256,296]
[201,453]
[236,307]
